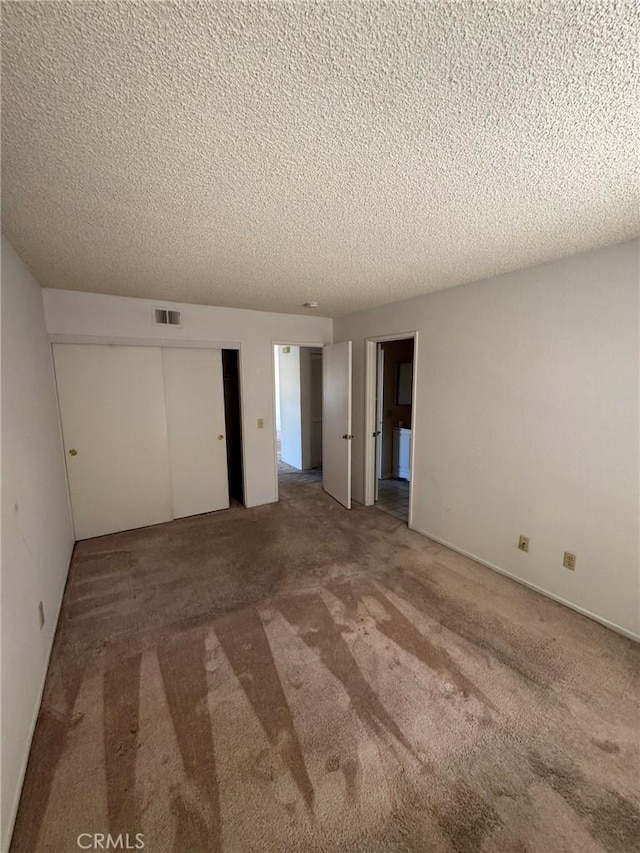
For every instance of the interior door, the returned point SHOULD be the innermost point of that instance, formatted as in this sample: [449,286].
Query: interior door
[194,398]
[336,421]
[379,417]
[115,436]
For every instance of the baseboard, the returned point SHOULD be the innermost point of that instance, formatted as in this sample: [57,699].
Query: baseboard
[606,622]
[6,841]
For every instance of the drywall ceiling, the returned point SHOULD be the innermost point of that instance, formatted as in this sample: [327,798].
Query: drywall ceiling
[355,153]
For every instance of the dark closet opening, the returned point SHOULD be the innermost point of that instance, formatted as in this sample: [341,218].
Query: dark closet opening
[231,381]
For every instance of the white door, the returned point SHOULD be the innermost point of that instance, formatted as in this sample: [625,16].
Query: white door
[379,417]
[194,397]
[115,436]
[336,421]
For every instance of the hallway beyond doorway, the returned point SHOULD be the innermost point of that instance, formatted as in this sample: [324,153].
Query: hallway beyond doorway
[298,409]
[394,426]
[294,476]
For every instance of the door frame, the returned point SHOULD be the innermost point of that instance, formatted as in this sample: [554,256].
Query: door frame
[379,417]
[162,343]
[274,344]
[370,414]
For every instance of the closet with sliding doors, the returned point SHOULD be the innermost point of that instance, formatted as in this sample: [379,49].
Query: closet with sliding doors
[144,434]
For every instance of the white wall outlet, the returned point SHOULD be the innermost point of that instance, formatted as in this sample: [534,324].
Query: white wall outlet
[569,561]
[523,543]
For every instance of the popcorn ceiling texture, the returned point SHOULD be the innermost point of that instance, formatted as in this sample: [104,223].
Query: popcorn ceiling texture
[259,155]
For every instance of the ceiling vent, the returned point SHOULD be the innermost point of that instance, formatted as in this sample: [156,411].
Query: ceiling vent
[164,317]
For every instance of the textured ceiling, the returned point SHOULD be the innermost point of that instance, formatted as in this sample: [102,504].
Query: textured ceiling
[260,155]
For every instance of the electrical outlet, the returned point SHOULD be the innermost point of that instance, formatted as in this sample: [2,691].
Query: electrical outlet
[41,614]
[260,423]
[569,561]
[523,543]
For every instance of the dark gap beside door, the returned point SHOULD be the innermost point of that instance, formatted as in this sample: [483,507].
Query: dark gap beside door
[231,379]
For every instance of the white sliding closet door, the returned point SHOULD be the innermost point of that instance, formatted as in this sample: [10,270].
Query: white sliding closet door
[115,435]
[194,397]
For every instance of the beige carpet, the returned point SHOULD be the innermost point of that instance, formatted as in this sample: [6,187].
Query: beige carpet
[297,677]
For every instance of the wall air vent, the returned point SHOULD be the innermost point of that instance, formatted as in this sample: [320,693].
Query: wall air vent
[164,317]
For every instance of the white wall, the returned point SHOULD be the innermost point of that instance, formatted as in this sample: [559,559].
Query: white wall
[527,422]
[37,537]
[290,409]
[96,317]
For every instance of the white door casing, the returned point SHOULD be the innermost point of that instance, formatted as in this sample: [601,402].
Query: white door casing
[194,399]
[115,436]
[379,415]
[336,421]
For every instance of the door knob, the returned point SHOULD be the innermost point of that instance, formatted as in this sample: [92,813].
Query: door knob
[220,437]
[73,452]
[346,435]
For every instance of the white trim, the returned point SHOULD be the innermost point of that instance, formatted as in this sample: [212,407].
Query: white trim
[242,424]
[379,418]
[583,611]
[309,344]
[273,420]
[370,426]
[110,340]
[371,361]
[397,336]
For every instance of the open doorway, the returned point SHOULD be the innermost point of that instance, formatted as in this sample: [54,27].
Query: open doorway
[393,432]
[298,385]
[233,421]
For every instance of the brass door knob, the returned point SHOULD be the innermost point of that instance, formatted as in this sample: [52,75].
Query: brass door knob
[220,437]
[73,452]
